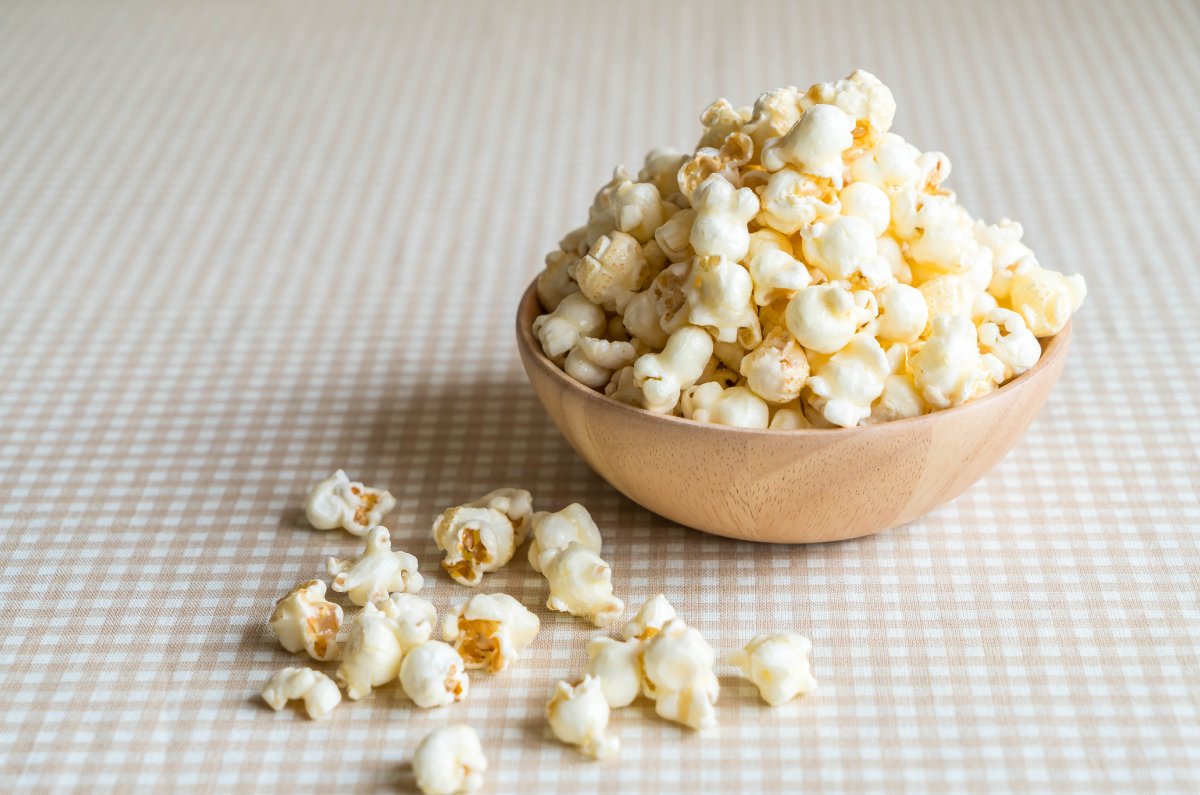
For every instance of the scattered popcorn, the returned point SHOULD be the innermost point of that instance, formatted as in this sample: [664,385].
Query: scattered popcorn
[777,665]
[617,665]
[490,630]
[432,674]
[319,692]
[554,531]
[650,619]
[415,618]
[338,502]
[481,536]
[578,715]
[759,280]
[377,573]
[677,668]
[581,584]
[304,621]
[449,761]
[373,653]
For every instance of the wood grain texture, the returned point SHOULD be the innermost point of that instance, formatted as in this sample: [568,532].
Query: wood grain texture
[791,487]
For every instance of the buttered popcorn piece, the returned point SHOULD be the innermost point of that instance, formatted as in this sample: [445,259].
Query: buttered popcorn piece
[578,715]
[304,621]
[650,619]
[415,618]
[581,584]
[432,674]
[777,665]
[490,630]
[339,502]
[737,273]
[481,536]
[373,653]
[677,669]
[319,692]
[554,531]
[618,666]
[380,571]
[449,761]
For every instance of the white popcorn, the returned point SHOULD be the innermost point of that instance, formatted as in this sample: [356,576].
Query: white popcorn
[578,715]
[415,618]
[868,202]
[641,320]
[304,621]
[593,361]
[893,255]
[1045,299]
[789,418]
[560,330]
[900,399]
[338,502]
[1005,336]
[677,666]
[903,313]
[623,388]
[774,113]
[776,275]
[601,219]
[890,165]
[777,665]
[791,201]
[945,243]
[948,369]
[555,283]
[581,584]
[432,674]
[638,210]
[663,376]
[319,692]
[674,237]
[736,407]
[845,249]
[373,653]
[377,573]
[475,541]
[490,630]
[825,317]
[814,145]
[612,271]
[1003,238]
[617,665]
[736,150]
[720,119]
[449,761]
[669,300]
[661,169]
[554,531]
[719,299]
[777,369]
[949,294]
[722,213]
[850,380]
[865,98]
[650,619]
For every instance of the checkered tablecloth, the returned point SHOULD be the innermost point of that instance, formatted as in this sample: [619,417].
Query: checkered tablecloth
[244,244]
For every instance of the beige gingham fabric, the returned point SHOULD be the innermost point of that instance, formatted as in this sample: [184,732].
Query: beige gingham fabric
[243,244]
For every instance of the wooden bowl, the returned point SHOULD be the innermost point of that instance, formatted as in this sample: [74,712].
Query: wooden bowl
[792,487]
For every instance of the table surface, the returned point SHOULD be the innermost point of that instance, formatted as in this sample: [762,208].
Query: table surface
[244,244]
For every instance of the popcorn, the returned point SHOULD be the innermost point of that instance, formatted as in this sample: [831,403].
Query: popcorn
[432,675]
[1045,299]
[490,630]
[662,376]
[677,667]
[650,619]
[948,369]
[593,361]
[777,369]
[560,330]
[338,502]
[554,531]
[814,145]
[373,653]
[718,297]
[319,692]
[414,617]
[776,275]
[581,584]
[449,761]
[304,620]
[377,573]
[825,317]
[764,279]
[850,380]
[777,665]
[578,715]
[722,213]
[481,536]
[736,406]
[617,665]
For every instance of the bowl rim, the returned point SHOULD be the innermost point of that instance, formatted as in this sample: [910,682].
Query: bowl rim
[1053,349]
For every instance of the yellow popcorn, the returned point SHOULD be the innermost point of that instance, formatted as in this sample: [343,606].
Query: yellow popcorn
[449,761]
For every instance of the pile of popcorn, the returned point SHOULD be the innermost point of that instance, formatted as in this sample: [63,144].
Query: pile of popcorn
[658,656]
[803,268]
